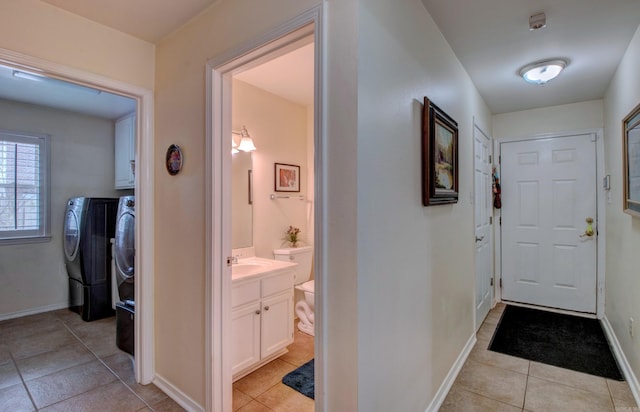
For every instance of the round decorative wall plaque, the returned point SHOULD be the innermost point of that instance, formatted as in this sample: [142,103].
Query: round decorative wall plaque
[174,159]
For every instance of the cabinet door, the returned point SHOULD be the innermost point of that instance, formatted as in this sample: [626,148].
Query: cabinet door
[125,143]
[277,323]
[245,335]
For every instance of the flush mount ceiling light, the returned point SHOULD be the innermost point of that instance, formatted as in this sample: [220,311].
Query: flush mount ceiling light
[542,72]
[246,143]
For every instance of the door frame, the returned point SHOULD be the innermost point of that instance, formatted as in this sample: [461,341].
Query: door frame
[491,242]
[601,202]
[143,324]
[219,71]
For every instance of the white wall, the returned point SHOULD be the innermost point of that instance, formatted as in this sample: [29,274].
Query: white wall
[180,118]
[623,231]
[32,276]
[552,119]
[416,271]
[279,131]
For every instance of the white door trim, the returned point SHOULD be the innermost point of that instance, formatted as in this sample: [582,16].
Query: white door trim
[144,347]
[601,205]
[218,188]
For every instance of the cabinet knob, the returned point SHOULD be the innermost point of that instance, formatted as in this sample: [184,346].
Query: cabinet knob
[257,312]
[266,308]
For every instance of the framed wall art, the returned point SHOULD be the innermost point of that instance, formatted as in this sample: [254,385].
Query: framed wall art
[439,156]
[631,162]
[287,178]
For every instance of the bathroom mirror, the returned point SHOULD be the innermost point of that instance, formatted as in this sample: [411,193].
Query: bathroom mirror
[241,200]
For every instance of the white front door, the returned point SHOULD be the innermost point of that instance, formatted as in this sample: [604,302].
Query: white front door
[548,192]
[483,209]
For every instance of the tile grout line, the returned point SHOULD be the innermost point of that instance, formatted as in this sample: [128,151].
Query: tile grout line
[24,383]
[108,368]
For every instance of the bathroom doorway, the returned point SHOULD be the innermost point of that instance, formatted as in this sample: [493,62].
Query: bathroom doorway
[225,77]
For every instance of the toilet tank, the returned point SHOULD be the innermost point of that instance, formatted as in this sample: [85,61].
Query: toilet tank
[302,255]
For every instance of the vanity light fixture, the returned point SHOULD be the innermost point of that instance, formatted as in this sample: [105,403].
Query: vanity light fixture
[246,143]
[234,146]
[543,71]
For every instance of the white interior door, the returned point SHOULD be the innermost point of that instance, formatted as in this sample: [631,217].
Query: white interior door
[548,191]
[483,208]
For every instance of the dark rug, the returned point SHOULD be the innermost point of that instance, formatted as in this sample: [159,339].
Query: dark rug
[301,379]
[570,342]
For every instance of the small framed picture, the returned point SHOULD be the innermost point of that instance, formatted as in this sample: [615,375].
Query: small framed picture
[174,159]
[287,178]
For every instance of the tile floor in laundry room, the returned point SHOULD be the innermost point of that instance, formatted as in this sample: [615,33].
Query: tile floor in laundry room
[55,361]
[494,382]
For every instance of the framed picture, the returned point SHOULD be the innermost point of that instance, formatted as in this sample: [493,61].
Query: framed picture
[631,162]
[287,178]
[174,159]
[439,156]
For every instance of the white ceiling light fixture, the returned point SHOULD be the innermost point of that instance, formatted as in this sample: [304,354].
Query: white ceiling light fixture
[543,71]
[246,143]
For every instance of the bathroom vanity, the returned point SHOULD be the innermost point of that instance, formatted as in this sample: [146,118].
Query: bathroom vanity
[262,312]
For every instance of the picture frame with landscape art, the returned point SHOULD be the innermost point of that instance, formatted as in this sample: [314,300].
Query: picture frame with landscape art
[631,162]
[439,156]
[287,178]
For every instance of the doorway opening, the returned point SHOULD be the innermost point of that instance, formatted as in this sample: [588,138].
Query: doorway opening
[91,84]
[225,77]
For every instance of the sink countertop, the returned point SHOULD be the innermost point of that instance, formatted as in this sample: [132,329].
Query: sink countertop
[251,267]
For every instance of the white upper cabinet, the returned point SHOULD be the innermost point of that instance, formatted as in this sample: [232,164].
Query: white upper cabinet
[125,151]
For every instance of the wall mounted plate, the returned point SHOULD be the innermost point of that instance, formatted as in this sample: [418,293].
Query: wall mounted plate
[174,159]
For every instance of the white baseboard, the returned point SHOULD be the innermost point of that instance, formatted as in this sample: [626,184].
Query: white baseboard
[177,395]
[622,359]
[33,311]
[437,401]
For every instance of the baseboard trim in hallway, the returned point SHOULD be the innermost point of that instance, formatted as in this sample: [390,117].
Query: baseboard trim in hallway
[444,389]
[177,395]
[621,358]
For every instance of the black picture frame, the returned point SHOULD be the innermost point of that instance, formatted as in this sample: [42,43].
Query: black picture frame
[286,178]
[631,162]
[439,156]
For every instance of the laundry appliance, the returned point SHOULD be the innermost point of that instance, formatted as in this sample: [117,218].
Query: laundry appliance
[89,224]
[124,256]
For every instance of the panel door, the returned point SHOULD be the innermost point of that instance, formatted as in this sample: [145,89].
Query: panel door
[483,210]
[548,191]
[277,323]
[245,337]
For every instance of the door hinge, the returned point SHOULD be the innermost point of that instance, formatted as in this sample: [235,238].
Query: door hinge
[500,159]
[490,159]
[491,282]
[500,220]
[500,283]
[490,220]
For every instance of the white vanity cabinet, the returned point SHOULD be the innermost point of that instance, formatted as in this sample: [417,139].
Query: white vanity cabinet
[125,151]
[261,319]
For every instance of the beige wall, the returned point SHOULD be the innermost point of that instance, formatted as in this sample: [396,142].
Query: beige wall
[416,271]
[278,128]
[623,231]
[179,230]
[552,119]
[40,30]
[33,276]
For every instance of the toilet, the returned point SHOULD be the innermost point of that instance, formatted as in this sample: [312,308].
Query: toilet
[305,296]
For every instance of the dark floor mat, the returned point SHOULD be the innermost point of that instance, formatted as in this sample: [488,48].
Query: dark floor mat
[566,341]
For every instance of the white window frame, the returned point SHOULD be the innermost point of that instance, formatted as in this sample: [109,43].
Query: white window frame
[43,233]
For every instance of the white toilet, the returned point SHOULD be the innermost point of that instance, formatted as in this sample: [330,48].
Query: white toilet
[303,256]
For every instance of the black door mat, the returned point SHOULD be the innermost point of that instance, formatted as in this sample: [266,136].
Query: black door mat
[570,342]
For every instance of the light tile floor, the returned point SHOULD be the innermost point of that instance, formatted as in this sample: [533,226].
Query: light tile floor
[55,361]
[493,382]
[263,390]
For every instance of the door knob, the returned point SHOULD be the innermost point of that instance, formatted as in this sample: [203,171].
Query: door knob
[588,232]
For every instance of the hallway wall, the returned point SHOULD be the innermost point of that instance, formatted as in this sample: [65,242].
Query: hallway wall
[623,231]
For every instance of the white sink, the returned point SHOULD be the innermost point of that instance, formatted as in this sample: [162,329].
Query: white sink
[251,266]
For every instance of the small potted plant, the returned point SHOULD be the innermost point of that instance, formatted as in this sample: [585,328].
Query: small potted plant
[292,236]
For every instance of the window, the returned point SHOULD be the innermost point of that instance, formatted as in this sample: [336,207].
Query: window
[24,187]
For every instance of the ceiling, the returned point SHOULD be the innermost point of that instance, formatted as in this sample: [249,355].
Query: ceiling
[491,38]
[150,20]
